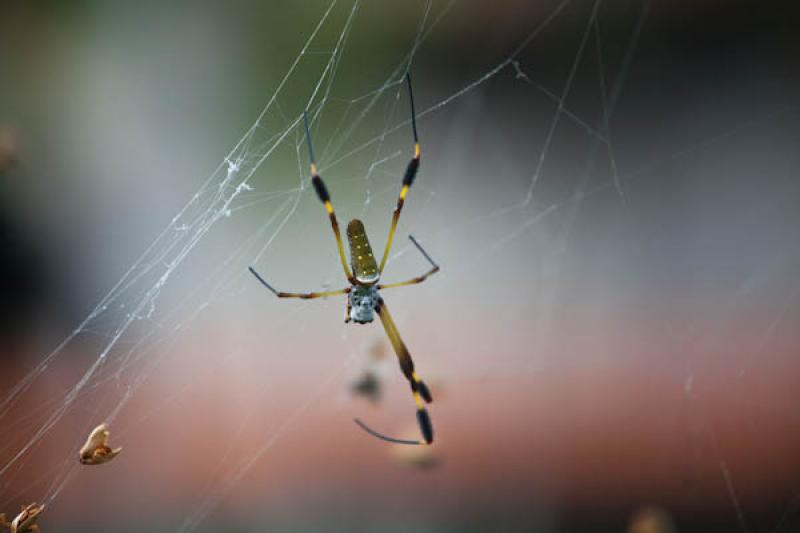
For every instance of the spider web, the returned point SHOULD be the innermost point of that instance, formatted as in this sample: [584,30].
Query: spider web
[186,315]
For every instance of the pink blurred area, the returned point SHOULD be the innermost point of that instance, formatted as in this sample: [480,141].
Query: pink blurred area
[623,428]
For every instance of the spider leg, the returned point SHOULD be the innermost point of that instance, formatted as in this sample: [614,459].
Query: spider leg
[381,436]
[325,197]
[418,388]
[419,279]
[408,179]
[303,295]
[403,355]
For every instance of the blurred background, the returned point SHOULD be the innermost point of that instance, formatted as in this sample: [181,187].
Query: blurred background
[610,188]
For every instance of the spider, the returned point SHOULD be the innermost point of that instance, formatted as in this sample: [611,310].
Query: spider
[363,294]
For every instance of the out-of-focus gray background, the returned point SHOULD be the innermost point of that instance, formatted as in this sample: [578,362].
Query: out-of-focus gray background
[618,351]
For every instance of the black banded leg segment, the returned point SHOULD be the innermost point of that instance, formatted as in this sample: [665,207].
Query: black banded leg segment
[408,179]
[419,279]
[302,295]
[325,197]
[420,391]
[403,355]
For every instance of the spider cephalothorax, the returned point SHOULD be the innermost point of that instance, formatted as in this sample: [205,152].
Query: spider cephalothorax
[363,298]
[361,303]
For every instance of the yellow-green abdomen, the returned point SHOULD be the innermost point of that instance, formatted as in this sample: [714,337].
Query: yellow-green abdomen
[365,268]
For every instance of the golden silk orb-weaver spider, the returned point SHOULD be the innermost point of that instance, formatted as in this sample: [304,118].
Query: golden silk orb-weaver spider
[363,296]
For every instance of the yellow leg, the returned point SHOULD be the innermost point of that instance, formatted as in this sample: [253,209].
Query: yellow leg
[418,279]
[408,179]
[412,281]
[303,295]
[420,391]
[325,197]
[401,200]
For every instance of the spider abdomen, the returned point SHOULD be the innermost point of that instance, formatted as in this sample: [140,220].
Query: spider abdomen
[363,262]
